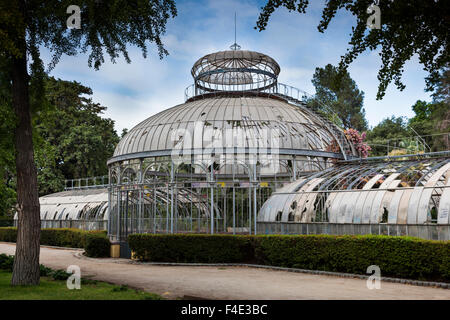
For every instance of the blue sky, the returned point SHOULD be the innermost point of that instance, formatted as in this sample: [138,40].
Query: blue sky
[133,92]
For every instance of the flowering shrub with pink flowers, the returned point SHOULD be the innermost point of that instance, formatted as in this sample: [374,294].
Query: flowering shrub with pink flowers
[358,141]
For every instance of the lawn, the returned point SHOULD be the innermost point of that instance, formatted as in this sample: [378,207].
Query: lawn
[50,289]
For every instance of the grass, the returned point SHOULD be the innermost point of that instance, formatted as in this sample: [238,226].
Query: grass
[50,289]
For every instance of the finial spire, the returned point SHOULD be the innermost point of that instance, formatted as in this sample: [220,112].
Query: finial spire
[235,46]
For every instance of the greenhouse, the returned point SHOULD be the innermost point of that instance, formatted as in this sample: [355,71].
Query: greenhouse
[208,165]
[245,154]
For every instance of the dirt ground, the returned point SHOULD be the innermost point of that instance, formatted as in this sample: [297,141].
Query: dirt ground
[232,283]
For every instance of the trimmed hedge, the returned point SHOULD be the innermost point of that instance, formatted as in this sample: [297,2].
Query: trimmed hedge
[71,238]
[190,248]
[97,246]
[402,257]
[8,234]
[6,222]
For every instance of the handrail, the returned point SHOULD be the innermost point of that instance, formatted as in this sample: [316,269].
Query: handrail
[280,89]
[86,183]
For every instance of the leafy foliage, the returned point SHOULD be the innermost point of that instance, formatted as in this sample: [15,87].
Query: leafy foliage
[7,151]
[71,140]
[8,234]
[6,222]
[402,257]
[75,141]
[341,94]
[431,123]
[392,128]
[432,120]
[358,141]
[105,26]
[441,86]
[408,28]
[6,262]
[59,275]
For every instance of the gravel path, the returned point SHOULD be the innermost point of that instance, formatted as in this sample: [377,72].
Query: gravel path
[228,282]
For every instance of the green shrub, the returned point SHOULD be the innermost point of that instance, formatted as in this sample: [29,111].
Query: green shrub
[6,262]
[402,257]
[72,238]
[97,246]
[190,248]
[59,274]
[45,271]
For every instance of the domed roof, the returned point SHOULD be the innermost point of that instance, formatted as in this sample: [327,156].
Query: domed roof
[235,94]
[300,131]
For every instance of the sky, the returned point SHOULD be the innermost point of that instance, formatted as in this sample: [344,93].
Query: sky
[136,91]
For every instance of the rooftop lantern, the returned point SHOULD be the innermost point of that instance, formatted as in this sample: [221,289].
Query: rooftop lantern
[235,70]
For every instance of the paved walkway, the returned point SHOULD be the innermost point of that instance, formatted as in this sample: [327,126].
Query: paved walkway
[228,282]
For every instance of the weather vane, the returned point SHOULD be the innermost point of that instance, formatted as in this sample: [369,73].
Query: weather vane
[235,46]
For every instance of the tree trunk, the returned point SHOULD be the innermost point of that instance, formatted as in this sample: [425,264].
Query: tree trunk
[26,262]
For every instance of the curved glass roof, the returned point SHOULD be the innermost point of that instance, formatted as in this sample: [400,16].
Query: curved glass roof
[84,204]
[415,191]
[194,124]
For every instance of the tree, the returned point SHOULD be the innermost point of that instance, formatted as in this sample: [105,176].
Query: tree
[72,140]
[432,122]
[56,139]
[7,165]
[393,128]
[408,28]
[27,26]
[441,114]
[60,151]
[426,131]
[341,94]
[124,132]
[441,86]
